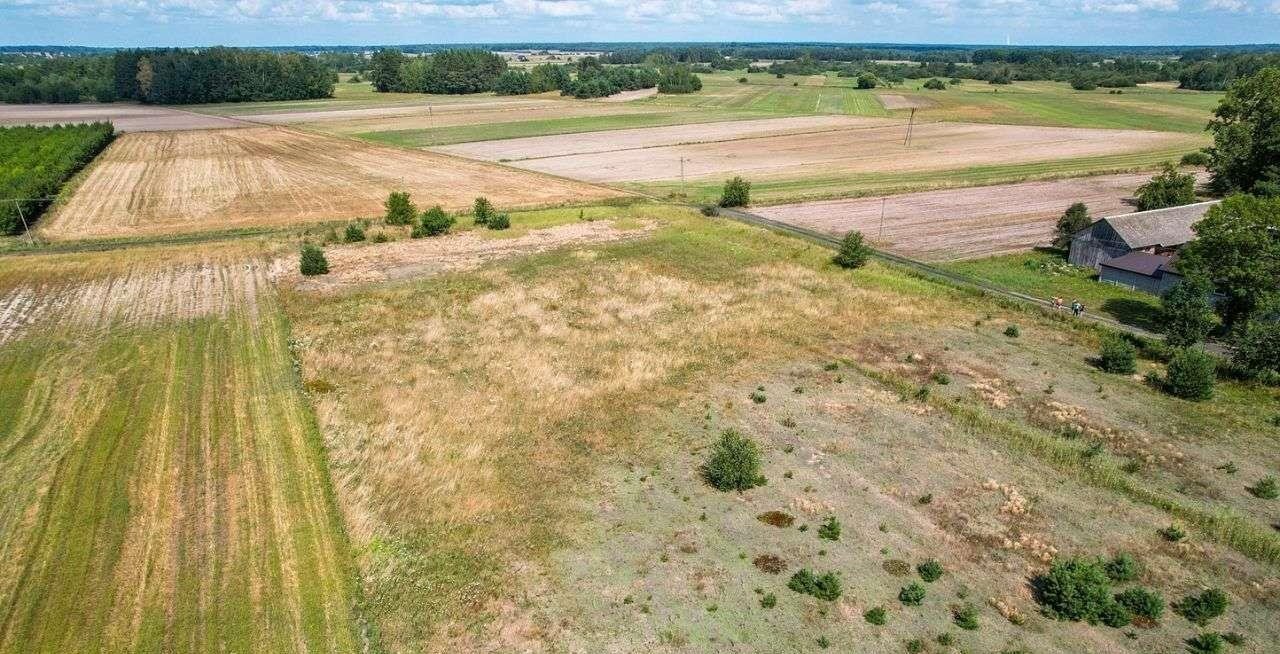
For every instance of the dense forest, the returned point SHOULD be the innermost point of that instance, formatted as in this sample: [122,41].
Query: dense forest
[474,71]
[171,76]
[34,163]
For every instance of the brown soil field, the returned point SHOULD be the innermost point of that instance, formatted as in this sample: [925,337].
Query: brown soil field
[397,260]
[876,146]
[614,141]
[628,96]
[355,121]
[206,180]
[126,117]
[964,223]
[321,115]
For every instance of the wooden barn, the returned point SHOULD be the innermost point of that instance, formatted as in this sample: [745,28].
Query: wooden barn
[1161,232]
[1141,271]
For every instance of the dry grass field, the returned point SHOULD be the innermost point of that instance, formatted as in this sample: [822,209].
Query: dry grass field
[164,486]
[515,450]
[965,223]
[165,183]
[126,117]
[873,147]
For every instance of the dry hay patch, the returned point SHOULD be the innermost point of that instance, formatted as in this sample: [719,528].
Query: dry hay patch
[397,260]
[157,183]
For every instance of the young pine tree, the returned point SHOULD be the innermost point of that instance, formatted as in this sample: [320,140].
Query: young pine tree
[853,252]
[400,210]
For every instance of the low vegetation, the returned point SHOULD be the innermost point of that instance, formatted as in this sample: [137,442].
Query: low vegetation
[734,463]
[312,262]
[37,161]
[736,193]
[824,587]
[853,252]
[1170,188]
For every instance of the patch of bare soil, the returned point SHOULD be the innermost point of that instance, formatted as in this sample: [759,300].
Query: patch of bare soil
[144,295]
[628,96]
[892,101]
[174,182]
[125,116]
[397,260]
[964,223]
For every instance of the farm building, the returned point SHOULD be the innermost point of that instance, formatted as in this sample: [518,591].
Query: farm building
[1142,271]
[1161,231]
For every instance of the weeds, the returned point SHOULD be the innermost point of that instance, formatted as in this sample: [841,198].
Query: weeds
[1266,488]
[911,595]
[770,563]
[965,616]
[830,529]
[768,601]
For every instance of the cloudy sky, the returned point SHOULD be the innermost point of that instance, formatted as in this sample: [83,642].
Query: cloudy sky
[293,22]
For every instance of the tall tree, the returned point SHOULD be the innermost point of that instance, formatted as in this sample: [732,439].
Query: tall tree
[385,71]
[1246,136]
[1237,247]
[1074,219]
[1168,189]
[1186,315]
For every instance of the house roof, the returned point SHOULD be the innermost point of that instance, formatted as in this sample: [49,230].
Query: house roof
[1142,263]
[1165,227]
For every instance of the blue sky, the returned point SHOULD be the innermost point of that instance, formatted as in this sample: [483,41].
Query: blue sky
[292,22]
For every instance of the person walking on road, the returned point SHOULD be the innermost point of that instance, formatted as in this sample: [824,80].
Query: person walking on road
[1076,308]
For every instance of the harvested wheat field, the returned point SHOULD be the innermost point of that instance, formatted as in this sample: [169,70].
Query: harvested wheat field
[126,117]
[423,110]
[353,122]
[164,486]
[964,223]
[873,146]
[161,183]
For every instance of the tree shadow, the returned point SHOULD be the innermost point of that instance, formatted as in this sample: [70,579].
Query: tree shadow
[1133,312]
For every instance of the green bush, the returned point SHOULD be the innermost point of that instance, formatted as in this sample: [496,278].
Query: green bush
[354,233]
[1186,315]
[965,616]
[853,252]
[432,222]
[1118,356]
[737,193]
[400,209]
[935,84]
[915,646]
[1256,349]
[1114,614]
[312,261]
[709,210]
[734,463]
[830,529]
[1172,533]
[1266,488]
[768,601]
[1191,375]
[930,570]
[1202,608]
[911,594]
[824,587]
[1206,643]
[1122,567]
[1074,589]
[876,616]
[1142,602]
[1198,158]
[482,210]
[1168,189]
[1012,331]
[499,221]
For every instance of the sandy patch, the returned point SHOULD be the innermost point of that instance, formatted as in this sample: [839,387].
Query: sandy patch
[628,96]
[968,222]
[125,116]
[546,147]
[184,181]
[875,147]
[893,101]
[363,264]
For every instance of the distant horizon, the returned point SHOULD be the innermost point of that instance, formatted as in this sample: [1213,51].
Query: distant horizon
[350,23]
[550,44]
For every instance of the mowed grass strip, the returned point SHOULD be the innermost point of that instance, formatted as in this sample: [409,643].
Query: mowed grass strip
[165,491]
[767,191]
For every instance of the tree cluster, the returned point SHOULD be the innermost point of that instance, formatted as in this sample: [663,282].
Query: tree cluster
[447,71]
[218,75]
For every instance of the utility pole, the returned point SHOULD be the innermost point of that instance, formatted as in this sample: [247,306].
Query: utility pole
[910,123]
[882,203]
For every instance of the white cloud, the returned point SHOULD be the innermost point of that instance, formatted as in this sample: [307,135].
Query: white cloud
[1227,5]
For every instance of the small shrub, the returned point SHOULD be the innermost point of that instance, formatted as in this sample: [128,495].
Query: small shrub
[1122,567]
[736,193]
[433,222]
[1012,331]
[769,563]
[830,529]
[1197,158]
[1172,533]
[965,616]
[911,594]
[823,642]
[876,616]
[824,587]
[399,209]
[946,639]
[915,646]
[380,237]
[930,571]
[1142,602]
[1191,375]
[853,252]
[1074,589]
[758,396]
[1229,467]
[776,519]
[1118,356]
[482,210]
[499,221]
[1201,609]
[1266,488]
[1206,643]
[312,261]
[941,378]
[768,601]
[709,210]
[734,463]
[1115,615]
[927,498]
[1234,638]
[354,233]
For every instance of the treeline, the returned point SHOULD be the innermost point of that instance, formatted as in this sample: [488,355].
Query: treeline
[477,71]
[1216,73]
[34,163]
[218,75]
[171,76]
